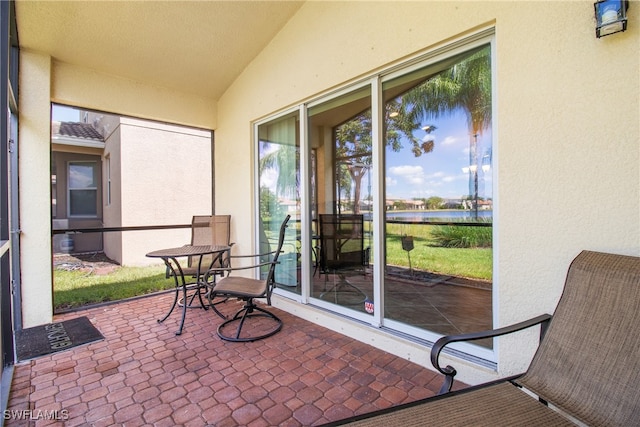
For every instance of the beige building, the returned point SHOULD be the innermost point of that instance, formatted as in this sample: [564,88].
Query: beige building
[110,154]
[565,128]
[76,183]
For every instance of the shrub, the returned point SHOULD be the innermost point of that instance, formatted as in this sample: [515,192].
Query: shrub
[456,236]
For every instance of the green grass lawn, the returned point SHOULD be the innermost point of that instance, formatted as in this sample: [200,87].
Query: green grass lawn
[77,288]
[475,263]
[468,262]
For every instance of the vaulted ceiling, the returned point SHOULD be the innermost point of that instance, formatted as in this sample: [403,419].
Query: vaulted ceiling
[198,47]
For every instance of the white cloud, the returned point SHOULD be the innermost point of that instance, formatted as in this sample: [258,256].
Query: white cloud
[450,140]
[415,176]
[406,170]
[412,175]
[268,179]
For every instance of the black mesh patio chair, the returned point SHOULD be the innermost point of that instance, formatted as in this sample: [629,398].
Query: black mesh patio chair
[342,252]
[586,370]
[252,322]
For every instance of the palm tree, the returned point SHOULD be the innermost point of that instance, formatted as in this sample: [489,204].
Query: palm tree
[285,159]
[467,86]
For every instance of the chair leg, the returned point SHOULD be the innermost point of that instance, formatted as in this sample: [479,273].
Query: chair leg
[210,295]
[343,286]
[242,316]
[196,293]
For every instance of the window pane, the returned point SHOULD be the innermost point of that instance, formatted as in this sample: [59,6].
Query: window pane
[279,179]
[82,175]
[438,168]
[83,202]
[341,135]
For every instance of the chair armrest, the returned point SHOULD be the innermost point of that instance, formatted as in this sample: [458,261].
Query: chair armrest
[221,270]
[449,372]
[252,255]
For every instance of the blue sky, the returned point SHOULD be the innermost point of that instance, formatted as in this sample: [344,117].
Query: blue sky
[64,114]
[438,173]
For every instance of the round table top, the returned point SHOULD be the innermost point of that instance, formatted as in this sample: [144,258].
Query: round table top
[188,250]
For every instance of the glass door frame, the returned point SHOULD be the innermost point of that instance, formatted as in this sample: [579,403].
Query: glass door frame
[486,37]
[372,84]
[305,200]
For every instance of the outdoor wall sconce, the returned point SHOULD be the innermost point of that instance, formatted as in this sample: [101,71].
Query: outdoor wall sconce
[611,16]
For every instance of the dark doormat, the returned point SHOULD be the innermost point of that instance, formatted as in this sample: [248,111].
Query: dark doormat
[50,338]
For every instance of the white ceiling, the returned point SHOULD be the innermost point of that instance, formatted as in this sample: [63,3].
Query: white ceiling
[195,46]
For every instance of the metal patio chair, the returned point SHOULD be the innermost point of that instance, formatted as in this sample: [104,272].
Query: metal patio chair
[586,369]
[248,290]
[209,230]
[342,252]
[206,230]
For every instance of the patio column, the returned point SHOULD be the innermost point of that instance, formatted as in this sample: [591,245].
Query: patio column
[34,192]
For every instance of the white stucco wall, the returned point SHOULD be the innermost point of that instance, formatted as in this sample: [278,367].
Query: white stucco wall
[35,188]
[82,87]
[112,210]
[566,132]
[166,179]
[160,175]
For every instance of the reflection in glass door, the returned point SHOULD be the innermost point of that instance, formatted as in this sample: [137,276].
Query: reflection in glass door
[438,195]
[340,135]
[397,196]
[279,182]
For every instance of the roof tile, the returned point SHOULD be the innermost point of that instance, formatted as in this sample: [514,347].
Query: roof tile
[80,130]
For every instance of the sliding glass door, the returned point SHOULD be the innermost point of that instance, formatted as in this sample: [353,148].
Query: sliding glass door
[340,134]
[438,194]
[390,182]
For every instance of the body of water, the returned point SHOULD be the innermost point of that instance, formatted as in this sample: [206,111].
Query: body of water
[438,215]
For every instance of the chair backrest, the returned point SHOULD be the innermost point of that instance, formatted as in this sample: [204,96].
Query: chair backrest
[588,363]
[271,276]
[209,230]
[342,241]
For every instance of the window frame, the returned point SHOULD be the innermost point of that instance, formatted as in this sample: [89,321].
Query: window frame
[96,171]
[305,238]
[107,161]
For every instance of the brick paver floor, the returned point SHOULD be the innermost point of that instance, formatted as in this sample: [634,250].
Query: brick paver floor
[142,374]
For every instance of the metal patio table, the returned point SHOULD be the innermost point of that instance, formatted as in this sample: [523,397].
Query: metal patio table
[170,257]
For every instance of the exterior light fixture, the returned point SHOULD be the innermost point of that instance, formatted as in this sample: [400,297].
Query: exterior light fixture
[611,16]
